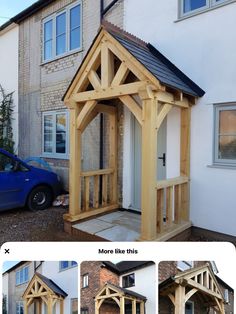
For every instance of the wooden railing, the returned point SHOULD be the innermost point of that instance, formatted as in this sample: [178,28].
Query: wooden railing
[172,202]
[97,190]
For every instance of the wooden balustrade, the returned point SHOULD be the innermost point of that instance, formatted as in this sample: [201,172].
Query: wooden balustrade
[97,190]
[172,202]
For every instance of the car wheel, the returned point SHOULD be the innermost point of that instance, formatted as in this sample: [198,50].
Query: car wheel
[40,198]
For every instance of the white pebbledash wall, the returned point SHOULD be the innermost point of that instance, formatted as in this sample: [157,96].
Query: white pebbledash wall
[9,69]
[203,47]
[66,279]
[145,284]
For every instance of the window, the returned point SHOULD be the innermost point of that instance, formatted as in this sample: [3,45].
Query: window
[128,281]
[22,275]
[62,32]
[85,281]
[189,307]
[55,134]
[74,306]
[84,311]
[226,295]
[225,135]
[188,7]
[184,265]
[67,264]
[19,307]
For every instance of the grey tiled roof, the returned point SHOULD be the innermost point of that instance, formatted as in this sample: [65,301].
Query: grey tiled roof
[52,285]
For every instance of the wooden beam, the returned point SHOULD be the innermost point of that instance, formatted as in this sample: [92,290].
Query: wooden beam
[75,165]
[89,119]
[25,308]
[142,307]
[169,98]
[120,75]
[180,300]
[133,106]
[122,305]
[113,159]
[134,307]
[107,65]
[170,182]
[149,170]
[94,80]
[86,110]
[106,109]
[110,92]
[172,298]
[190,294]
[61,306]
[162,114]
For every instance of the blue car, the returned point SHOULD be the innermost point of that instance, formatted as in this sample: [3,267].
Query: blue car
[24,185]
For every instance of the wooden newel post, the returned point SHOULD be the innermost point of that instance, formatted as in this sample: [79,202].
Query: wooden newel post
[149,168]
[25,307]
[180,300]
[75,164]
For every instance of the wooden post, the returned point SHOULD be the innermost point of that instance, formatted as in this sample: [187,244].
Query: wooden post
[49,305]
[142,308]
[62,306]
[96,307]
[39,306]
[185,160]
[134,307]
[149,170]
[113,154]
[180,300]
[25,307]
[75,164]
[122,305]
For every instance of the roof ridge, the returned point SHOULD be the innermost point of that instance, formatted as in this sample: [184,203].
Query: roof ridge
[108,26]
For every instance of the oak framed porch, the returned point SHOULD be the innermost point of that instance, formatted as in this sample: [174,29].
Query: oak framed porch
[111,73]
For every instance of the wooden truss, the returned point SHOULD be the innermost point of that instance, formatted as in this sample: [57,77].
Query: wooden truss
[38,292]
[198,280]
[108,73]
[111,292]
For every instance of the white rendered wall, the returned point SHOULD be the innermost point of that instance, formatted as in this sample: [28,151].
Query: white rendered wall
[203,47]
[67,280]
[145,284]
[9,69]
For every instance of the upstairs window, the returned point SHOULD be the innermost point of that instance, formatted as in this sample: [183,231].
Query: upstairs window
[128,281]
[62,32]
[189,7]
[225,135]
[184,265]
[85,281]
[67,264]
[22,275]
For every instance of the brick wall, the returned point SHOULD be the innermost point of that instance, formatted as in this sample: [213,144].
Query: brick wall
[42,85]
[98,276]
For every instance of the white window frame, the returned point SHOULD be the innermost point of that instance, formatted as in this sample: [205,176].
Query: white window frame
[22,269]
[85,281]
[184,265]
[226,295]
[216,160]
[19,305]
[54,154]
[53,18]
[210,4]
[70,265]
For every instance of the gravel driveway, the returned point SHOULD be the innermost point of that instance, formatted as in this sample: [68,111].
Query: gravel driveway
[24,225]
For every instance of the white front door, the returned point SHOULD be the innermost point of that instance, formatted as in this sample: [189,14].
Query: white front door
[161,161]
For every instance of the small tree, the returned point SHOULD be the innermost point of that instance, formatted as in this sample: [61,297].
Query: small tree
[4,304]
[6,110]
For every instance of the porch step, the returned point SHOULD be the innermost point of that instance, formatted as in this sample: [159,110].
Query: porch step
[117,226]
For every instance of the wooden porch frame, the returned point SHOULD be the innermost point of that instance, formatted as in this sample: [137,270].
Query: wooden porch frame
[111,292]
[155,105]
[38,292]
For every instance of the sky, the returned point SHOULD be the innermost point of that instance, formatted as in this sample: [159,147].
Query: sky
[9,8]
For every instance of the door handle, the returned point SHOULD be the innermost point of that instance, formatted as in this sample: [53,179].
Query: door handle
[163,158]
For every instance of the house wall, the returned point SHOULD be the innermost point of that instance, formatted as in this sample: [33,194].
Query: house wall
[9,70]
[203,47]
[145,284]
[42,85]
[65,279]
[98,276]
[5,279]
[15,292]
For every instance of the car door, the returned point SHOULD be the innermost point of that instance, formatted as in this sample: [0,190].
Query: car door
[12,183]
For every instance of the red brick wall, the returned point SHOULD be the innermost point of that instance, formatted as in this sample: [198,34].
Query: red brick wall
[98,276]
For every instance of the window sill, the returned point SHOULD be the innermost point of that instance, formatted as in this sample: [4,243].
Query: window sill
[197,12]
[67,54]
[223,166]
[55,157]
